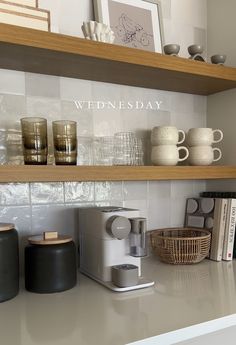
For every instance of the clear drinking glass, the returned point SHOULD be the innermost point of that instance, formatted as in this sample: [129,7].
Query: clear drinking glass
[123,148]
[104,150]
[65,142]
[85,151]
[128,149]
[35,141]
[138,152]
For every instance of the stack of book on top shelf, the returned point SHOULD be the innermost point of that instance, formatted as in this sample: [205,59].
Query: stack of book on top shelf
[24,13]
[216,212]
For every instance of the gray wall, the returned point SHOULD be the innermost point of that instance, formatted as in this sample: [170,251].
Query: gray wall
[222,106]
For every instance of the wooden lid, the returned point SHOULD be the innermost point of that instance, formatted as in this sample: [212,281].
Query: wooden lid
[49,238]
[6,226]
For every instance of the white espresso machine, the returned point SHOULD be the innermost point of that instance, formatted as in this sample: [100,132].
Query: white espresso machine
[112,242]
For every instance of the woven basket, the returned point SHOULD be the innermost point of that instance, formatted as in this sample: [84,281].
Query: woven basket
[181,245]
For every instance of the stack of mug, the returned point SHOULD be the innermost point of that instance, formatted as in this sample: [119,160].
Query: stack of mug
[164,141]
[200,142]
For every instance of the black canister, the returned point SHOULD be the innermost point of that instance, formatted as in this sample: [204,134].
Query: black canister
[9,262]
[50,263]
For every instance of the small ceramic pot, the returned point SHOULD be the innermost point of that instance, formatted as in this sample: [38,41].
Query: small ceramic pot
[195,49]
[172,49]
[218,59]
[195,52]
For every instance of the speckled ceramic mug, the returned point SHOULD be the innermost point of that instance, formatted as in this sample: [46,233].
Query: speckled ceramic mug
[167,135]
[204,136]
[203,155]
[168,154]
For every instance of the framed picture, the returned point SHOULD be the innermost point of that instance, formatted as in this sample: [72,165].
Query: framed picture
[136,23]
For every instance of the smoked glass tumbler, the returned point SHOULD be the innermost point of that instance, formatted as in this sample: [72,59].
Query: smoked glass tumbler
[65,142]
[35,140]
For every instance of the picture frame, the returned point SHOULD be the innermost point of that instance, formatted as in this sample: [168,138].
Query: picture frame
[136,23]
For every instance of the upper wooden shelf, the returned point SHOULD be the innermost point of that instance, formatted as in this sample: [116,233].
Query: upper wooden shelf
[36,51]
[49,173]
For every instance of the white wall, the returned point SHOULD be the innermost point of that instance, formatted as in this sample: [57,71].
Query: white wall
[222,106]
[38,206]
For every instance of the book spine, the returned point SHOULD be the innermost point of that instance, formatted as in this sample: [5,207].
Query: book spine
[225,195]
[218,231]
[230,231]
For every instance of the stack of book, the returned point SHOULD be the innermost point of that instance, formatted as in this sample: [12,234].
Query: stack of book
[229,244]
[217,213]
[24,13]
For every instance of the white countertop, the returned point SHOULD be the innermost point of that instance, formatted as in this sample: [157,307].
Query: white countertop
[92,315]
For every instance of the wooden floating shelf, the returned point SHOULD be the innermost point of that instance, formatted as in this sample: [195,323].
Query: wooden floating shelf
[32,173]
[36,51]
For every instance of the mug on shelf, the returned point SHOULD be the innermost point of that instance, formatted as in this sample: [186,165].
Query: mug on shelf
[168,154]
[167,135]
[203,155]
[203,136]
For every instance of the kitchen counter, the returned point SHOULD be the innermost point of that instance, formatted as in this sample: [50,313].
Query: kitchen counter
[90,314]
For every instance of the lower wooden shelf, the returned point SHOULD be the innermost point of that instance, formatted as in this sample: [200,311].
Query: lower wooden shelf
[32,173]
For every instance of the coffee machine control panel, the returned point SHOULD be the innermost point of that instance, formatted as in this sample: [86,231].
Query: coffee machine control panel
[119,227]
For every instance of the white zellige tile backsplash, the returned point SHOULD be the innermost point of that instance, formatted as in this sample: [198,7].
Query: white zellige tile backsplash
[52,206]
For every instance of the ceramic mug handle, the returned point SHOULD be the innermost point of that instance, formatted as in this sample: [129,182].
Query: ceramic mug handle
[183,134]
[187,153]
[220,154]
[221,136]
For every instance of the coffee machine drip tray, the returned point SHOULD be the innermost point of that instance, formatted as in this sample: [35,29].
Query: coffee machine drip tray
[142,283]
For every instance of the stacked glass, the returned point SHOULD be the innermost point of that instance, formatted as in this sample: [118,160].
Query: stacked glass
[65,142]
[138,152]
[35,140]
[85,151]
[128,150]
[104,150]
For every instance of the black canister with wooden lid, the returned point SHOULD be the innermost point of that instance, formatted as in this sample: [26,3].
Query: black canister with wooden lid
[50,263]
[9,262]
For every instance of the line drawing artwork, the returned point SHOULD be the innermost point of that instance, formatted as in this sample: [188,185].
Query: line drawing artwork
[130,32]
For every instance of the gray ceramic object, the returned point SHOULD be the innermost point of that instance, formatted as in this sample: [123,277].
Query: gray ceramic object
[197,57]
[195,49]
[218,59]
[9,262]
[171,49]
[125,275]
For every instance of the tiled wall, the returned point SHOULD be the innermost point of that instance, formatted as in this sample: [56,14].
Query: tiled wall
[36,207]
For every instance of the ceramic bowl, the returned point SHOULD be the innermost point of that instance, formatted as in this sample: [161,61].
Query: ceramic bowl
[218,59]
[195,49]
[171,49]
